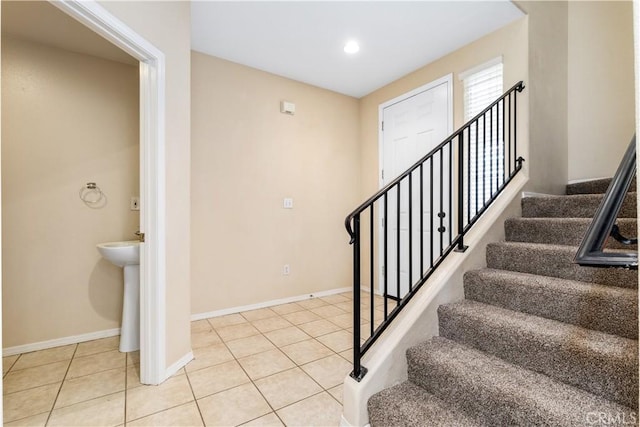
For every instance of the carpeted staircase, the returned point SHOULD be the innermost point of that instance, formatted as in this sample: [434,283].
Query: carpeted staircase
[538,341]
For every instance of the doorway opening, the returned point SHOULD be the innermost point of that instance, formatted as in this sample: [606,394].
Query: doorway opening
[152,177]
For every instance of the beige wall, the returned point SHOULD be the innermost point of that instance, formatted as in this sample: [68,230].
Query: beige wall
[601,96]
[67,119]
[547,90]
[510,42]
[247,157]
[167,24]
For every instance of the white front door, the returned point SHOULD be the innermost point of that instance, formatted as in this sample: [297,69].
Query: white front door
[413,125]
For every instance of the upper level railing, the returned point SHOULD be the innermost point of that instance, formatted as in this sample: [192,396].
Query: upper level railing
[407,226]
[591,251]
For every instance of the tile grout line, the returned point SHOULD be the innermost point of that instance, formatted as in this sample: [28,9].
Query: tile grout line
[35,386]
[12,365]
[251,381]
[156,412]
[61,384]
[167,408]
[194,397]
[126,388]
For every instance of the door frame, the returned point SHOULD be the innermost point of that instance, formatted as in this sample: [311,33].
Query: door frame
[152,178]
[448,79]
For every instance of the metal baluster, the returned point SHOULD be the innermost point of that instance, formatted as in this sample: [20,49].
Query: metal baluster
[504,148]
[469,175]
[484,155]
[477,150]
[386,255]
[398,246]
[421,222]
[490,151]
[515,128]
[509,134]
[461,247]
[357,369]
[410,232]
[497,135]
[497,147]
[371,260]
[450,192]
[431,213]
[441,214]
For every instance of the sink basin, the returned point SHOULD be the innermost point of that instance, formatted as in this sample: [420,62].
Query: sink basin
[121,253]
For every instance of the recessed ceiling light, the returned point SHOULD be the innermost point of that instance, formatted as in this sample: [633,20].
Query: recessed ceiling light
[351,46]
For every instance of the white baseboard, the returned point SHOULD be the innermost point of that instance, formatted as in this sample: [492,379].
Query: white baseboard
[233,310]
[75,339]
[179,364]
[526,194]
[43,345]
[345,423]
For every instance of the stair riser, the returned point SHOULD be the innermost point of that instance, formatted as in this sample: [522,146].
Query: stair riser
[594,186]
[601,310]
[564,358]
[556,263]
[572,207]
[568,232]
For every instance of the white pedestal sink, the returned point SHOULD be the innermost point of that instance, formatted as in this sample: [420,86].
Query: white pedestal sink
[127,255]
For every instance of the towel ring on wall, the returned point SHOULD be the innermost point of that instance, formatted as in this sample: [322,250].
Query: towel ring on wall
[92,196]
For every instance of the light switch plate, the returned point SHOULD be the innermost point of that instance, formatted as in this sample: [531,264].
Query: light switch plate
[135,203]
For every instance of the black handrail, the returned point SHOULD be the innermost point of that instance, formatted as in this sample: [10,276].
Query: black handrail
[591,250]
[494,132]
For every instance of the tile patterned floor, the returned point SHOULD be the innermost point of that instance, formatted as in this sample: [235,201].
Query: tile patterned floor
[282,365]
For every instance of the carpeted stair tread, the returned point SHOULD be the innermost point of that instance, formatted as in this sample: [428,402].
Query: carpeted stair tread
[594,186]
[603,364]
[409,405]
[577,206]
[554,261]
[563,231]
[608,309]
[497,392]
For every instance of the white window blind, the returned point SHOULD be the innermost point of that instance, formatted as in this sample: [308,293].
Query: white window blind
[482,86]
[481,89]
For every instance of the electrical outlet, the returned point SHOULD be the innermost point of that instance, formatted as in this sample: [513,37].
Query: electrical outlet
[288,203]
[286,270]
[135,203]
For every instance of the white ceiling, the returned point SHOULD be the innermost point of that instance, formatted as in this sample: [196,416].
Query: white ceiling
[301,40]
[304,40]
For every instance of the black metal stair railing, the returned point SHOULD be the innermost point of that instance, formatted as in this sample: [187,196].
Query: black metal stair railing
[407,226]
[591,251]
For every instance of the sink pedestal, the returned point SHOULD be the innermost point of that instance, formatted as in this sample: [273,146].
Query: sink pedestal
[130,329]
[127,255]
